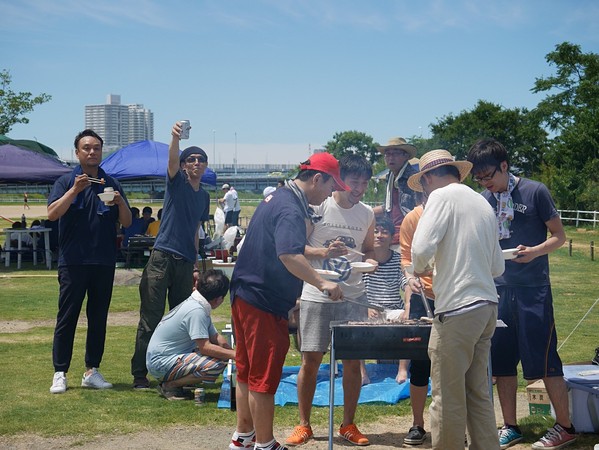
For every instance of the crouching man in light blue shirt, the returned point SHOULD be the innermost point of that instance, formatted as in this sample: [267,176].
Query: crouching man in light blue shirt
[185,347]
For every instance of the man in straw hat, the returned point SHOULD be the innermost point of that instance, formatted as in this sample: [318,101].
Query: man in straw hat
[525,212]
[457,234]
[399,198]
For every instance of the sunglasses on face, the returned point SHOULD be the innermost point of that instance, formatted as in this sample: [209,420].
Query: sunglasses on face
[192,159]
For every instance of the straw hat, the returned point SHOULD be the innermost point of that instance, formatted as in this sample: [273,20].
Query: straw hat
[437,158]
[400,144]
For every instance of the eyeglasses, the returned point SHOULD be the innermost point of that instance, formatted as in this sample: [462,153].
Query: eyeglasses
[485,178]
[392,153]
[192,159]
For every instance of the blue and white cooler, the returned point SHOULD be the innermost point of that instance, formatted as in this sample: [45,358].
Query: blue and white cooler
[583,391]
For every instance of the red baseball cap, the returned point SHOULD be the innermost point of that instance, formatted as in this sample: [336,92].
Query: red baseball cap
[326,163]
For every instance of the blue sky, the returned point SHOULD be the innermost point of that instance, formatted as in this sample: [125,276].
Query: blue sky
[282,76]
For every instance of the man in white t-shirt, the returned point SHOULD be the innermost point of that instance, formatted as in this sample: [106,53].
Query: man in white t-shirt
[231,206]
[346,224]
[185,347]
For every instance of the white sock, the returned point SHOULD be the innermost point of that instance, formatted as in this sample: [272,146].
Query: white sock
[265,446]
[246,438]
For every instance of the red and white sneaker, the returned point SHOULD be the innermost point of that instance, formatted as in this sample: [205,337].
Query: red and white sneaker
[555,438]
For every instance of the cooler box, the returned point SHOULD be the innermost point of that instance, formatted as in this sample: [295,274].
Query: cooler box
[583,392]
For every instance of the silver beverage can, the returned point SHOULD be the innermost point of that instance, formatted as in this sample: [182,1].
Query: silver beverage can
[185,125]
[199,396]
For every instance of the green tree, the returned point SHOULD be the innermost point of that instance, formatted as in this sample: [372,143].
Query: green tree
[14,106]
[517,129]
[424,145]
[571,112]
[353,142]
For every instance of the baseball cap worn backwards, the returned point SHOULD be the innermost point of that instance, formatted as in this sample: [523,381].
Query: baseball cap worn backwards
[192,151]
[326,163]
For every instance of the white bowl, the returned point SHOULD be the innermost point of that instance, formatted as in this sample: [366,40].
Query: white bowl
[106,197]
[363,267]
[508,253]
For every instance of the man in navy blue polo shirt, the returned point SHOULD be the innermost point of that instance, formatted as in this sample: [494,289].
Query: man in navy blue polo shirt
[266,283]
[87,257]
[170,269]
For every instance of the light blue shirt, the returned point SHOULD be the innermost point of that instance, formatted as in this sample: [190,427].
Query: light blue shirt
[176,333]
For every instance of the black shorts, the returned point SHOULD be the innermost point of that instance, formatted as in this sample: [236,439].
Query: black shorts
[420,370]
[232,218]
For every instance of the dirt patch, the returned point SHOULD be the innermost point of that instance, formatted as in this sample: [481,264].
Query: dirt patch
[125,318]
[122,277]
[15,211]
[386,433]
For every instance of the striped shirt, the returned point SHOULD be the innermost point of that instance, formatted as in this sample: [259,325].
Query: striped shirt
[384,286]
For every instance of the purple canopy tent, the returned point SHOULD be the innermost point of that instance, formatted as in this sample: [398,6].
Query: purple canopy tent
[143,160]
[20,165]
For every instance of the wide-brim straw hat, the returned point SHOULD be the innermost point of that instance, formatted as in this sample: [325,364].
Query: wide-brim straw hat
[437,158]
[398,143]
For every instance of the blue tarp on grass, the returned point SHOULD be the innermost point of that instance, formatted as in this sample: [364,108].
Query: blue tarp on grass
[382,388]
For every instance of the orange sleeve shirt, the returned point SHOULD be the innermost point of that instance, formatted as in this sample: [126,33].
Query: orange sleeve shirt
[406,234]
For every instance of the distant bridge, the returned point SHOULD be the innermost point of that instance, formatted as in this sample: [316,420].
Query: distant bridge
[244,177]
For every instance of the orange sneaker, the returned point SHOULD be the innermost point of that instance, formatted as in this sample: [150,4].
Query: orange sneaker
[300,435]
[351,434]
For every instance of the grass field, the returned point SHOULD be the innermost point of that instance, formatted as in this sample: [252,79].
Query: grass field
[26,369]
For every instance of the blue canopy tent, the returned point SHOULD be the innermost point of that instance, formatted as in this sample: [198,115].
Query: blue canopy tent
[143,160]
[21,165]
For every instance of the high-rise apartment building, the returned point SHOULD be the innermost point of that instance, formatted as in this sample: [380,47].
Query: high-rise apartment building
[119,125]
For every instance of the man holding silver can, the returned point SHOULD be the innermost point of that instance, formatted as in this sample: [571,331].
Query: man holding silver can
[170,269]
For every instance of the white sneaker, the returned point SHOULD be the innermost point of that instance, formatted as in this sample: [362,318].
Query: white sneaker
[59,383]
[95,380]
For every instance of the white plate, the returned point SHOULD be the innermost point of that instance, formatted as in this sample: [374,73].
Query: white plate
[328,274]
[363,267]
[508,253]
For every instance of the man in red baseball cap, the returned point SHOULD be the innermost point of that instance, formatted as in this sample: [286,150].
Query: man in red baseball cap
[326,163]
[268,278]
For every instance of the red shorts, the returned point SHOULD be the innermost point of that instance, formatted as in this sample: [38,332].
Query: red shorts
[261,345]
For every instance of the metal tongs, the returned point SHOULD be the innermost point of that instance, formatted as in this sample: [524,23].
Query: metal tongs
[355,302]
[429,312]
[427,308]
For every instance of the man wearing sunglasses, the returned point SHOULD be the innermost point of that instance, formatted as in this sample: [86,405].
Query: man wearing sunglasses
[170,269]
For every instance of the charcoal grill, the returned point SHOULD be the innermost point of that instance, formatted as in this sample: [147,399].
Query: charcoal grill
[375,340]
